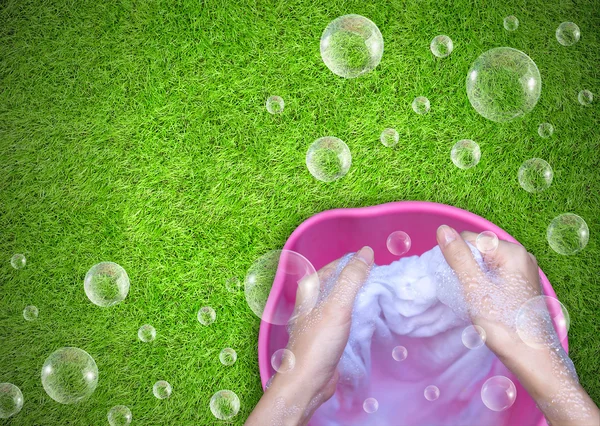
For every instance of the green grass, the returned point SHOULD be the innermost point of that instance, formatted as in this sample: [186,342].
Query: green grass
[136,132]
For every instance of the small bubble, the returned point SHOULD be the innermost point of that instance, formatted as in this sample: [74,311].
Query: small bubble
[328,159]
[18,261]
[119,415]
[441,46]
[473,337]
[206,315]
[224,404]
[431,393]
[370,405]
[535,175]
[30,313]
[487,242]
[389,137]
[545,130]
[11,400]
[233,284]
[275,105]
[162,389]
[465,154]
[399,353]
[398,243]
[421,105]
[283,360]
[511,23]
[228,356]
[568,33]
[585,97]
[146,333]
[498,393]
[568,234]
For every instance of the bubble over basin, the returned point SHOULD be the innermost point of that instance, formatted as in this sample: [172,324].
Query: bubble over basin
[331,234]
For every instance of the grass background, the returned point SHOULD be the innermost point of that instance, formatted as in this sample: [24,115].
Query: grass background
[135,131]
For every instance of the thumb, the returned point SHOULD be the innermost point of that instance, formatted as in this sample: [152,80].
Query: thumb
[456,252]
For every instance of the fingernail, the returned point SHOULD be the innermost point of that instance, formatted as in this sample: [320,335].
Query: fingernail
[366,255]
[448,235]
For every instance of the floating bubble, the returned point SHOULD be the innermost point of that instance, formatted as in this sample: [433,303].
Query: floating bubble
[568,33]
[465,154]
[146,333]
[11,400]
[328,159]
[224,404]
[119,415]
[421,105]
[351,45]
[498,393]
[441,46]
[511,23]
[162,389]
[228,356]
[233,284]
[535,175]
[206,315]
[18,261]
[370,405]
[399,353]
[473,337]
[567,234]
[431,393]
[503,84]
[585,97]
[296,275]
[30,313]
[540,320]
[106,284]
[283,361]
[487,242]
[275,104]
[398,243]
[389,137]
[545,130]
[69,375]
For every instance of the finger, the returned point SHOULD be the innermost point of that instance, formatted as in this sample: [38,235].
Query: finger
[309,286]
[456,252]
[351,279]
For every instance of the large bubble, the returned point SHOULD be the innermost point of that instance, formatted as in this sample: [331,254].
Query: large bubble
[568,33]
[567,234]
[297,276]
[119,415]
[328,159]
[11,400]
[351,45]
[503,84]
[224,404]
[540,320]
[398,243]
[69,375]
[498,393]
[106,284]
[535,175]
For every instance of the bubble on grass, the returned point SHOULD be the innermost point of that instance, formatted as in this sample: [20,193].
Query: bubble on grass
[545,130]
[535,175]
[162,389]
[421,105]
[18,261]
[541,321]
[351,45]
[228,356]
[389,137]
[11,400]
[465,154]
[370,405]
[224,404]
[503,84]
[146,333]
[585,97]
[295,275]
[568,234]
[275,104]
[106,284]
[206,315]
[283,361]
[473,337]
[568,33]
[399,353]
[498,393]
[30,313]
[441,46]
[398,243]
[431,393]
[69,375]
[119,415]
[511,23]
[487,242]
[233,284]
[328,159]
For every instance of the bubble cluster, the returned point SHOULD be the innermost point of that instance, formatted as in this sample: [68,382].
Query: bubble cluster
[69,375]
[585,97]
[389,137]
[535,175]
[568,234]
[11,400]
[119,415]
[541,320]
[511,23]
[18,261]
[275,104]
[228,356]
[441,46]
[568,33]
[146,333]
[162,389]
[283,360]
[431,393]
[30,313]
[465,154]
[498,393]
[224,404]
[545,130]
[351,45]
[106,284]
[473,337]
[206,315]
[398,243]
[399,353]
[487,242]
[328,159]
[421,105]
[370,405]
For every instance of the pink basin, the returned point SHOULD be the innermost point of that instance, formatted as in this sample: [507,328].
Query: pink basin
[331,234]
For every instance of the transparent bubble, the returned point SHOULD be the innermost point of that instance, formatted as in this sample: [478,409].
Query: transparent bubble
[473,337]
[568,33]
[567,234]
[119,415]
[11,400]
[545,130]
[275,104]
[535,175]
[465,154]
[420,105]
[541,320]
[106,284]
[162,389]
[431,393]
[487,242]
[283,361]
[69,375]
[389,137]
[30,313]
[511,23]
[585,97]
[328,159]
[399,353]
[18,261]
[206,315]
[370,405]
[503,84]
[233,284]
[351,45]
[441,46]
[296,275]
[398,243]
[498,393]
[228,356]
[224,404]
[146,333]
